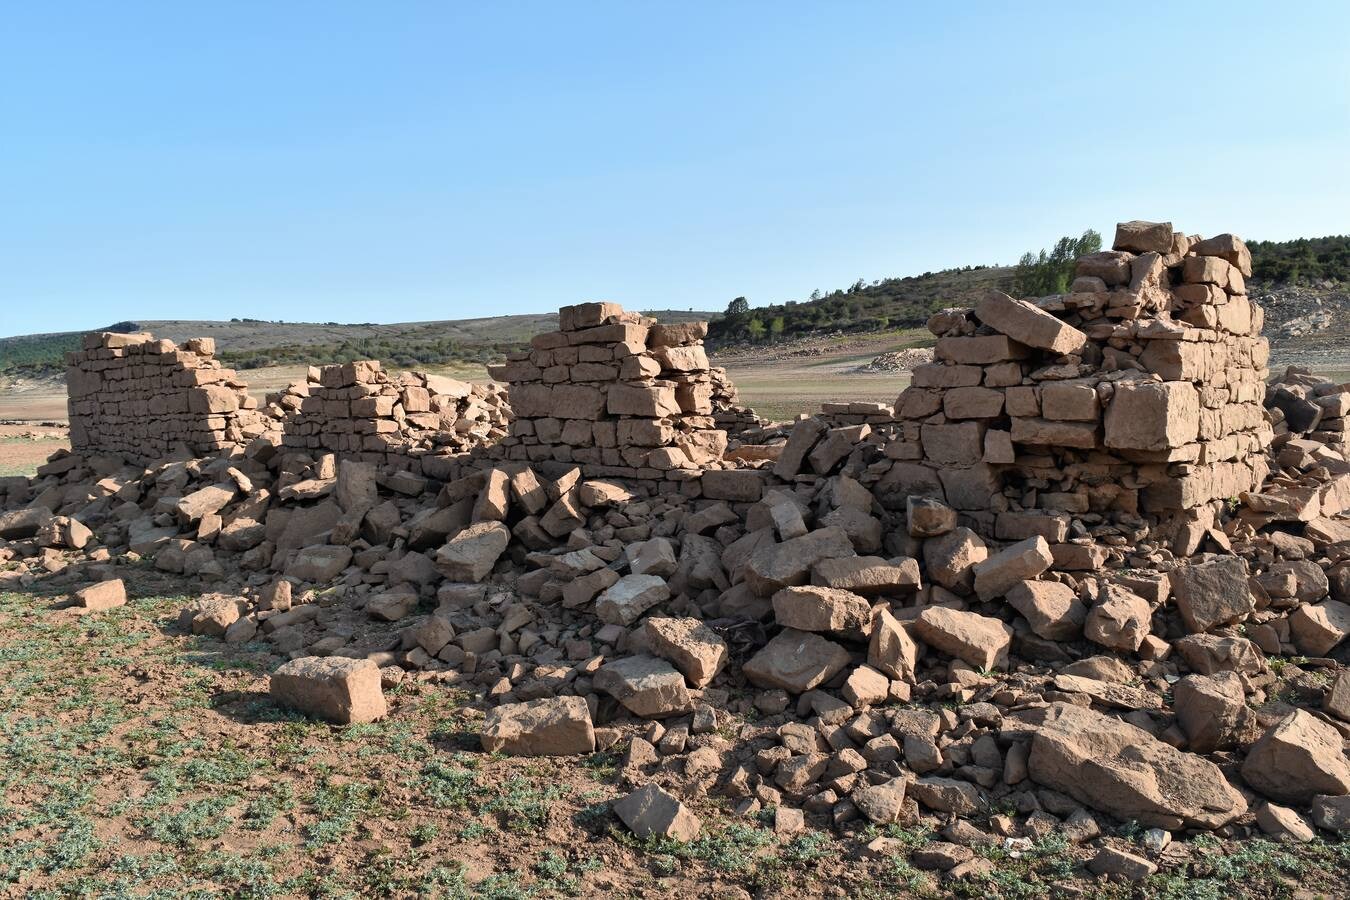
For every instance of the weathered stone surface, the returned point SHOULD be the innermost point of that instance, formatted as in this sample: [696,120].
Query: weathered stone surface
[647,686]
[1028,324]
[1331,812]
[868,575]
[1212,593]
[102,595]
[320,563]
[1143,237]
[1123,770]
[335,688]
[653,557]
[947,795]
[471,554]
[1022,561]
[773,567]
[810,608]
[795,661]
[864,687]
[390,606]
[1212,710]
[951,558]
[926,517]
[891,649]
[800,441]
[18,524]
[1152,415]
[1120,620]
[1318,628]
[694,648]
[1052,609]
[651,812]
[1210,653]
[551,726]
[982,641]
[624,602]
[1297,758]
[1283,823]
[356,489]
[882,804]
[1110,861]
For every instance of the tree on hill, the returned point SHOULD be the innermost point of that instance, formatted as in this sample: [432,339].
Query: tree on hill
[738,308]
[1042,273]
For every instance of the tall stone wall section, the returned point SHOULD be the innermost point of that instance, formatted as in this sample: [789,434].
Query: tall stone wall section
[412,420]
[1133,401]
[616,393]
[148,399]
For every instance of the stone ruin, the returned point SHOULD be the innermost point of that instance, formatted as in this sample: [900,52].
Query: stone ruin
[820,626]
[615,392]
[148,399]
[410,421]
[1134,399]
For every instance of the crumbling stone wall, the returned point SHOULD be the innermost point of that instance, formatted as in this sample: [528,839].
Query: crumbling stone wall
[616,393]
[409,421]
[1134,400]
[149,399]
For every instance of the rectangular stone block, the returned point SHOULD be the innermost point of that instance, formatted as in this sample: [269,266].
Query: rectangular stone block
[1152,415]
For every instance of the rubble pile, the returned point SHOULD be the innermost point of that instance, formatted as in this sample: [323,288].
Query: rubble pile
[149,399]
[359,411]
[1131,405]
[728,413]
[794,628]
[615,392]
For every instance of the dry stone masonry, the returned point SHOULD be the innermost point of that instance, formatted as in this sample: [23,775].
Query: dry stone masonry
[1135,399]
[357,410]
[615,392]
[149,399]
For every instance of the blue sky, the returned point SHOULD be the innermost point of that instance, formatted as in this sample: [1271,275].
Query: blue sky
[335,161]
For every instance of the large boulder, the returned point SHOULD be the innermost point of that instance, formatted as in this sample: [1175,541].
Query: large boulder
[1120,769]
[552,726]
[1298,758]
[1212,593]
[1212,710]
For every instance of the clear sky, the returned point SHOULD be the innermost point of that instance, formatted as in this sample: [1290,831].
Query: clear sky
[344,161]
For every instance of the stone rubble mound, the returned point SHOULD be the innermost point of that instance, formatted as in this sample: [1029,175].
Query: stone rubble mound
[826,629]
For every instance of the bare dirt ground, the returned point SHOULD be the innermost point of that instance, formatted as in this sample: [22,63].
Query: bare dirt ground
[140,761]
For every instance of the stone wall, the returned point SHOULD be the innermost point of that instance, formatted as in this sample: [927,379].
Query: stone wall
[149,399]
[616,393]
[1134,401]
[409,420]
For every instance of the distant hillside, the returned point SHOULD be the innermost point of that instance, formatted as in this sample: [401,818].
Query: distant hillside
[880,306]
[1302,261]
[1318,265]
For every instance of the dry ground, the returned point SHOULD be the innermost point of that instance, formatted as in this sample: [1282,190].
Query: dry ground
[139,761]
